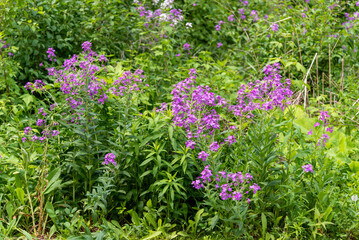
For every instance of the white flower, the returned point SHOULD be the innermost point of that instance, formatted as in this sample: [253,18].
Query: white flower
[166,4]
[355,198]
[188,25]
[163,17]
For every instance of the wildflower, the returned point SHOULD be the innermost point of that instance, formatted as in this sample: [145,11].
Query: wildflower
[219,45]
[274,27]
[186,46]
[55,133]
[109,158]
[214,146]
[330,129]
[51,54]
[304,15]
[310,132]
[203,155]
[308,168]
[323,139]
[24,139]
[188,25]
[316,124]
[230,139]
[355,197]
[86,46]
[230,18]
[40,122]
[190,144]
[255,187]
[27,130]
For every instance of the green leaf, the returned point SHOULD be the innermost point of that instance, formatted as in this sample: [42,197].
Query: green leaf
[264,224]
[51,211]
[20,194]
[27,98]
[153,235]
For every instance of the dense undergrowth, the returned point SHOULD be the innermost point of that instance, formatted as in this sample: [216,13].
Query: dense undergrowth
[179,119]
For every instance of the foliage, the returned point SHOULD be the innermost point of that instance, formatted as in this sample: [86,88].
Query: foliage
[179,119]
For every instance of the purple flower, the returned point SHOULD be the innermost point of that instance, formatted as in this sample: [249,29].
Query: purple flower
[230,139]
[275,27]
[55,133]
[190,144]
[324,116]
[40,122]
[308,168]
[255,187]
[316,124]
[102,58]
[27,130]
[214,146]
[219,45]
[310,132]
[51,54]
[86,46]
[203,155]
[323,139]
[230,18]
[109,158]
[186,46]
[304,15]
[330,129]
[24,139]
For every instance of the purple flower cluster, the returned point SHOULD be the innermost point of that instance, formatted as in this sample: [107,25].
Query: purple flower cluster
[324,118]
[274,27]
[218,26]
[308,168]
[37,85]
[127,83]
[193,107]
[51,54]
[265,95]
[163,14]
[230,185]
[109,158]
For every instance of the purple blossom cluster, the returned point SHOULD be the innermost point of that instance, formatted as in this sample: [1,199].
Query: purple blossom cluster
[265,94]
[166,13]
[194,108]
[45,129]
[231,186]
[127,83]
[324,118]
[38,85]
[308,168]
[109,158]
